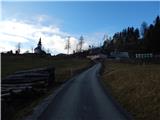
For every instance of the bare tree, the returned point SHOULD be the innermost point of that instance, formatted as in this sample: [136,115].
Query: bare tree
[105,37]
[18,48]
[68,45]
[32,49]
[81,42]
[77,47]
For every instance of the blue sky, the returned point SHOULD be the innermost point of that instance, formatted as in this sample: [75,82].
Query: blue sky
[91,19]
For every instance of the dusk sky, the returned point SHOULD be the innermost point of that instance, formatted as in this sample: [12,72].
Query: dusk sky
[26,22]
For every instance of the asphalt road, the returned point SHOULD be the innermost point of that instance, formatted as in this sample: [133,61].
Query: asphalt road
[83,98]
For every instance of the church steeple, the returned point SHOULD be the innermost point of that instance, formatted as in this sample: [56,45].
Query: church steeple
[40,44]
[38,49]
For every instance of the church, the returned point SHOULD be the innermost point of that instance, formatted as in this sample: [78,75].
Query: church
[38,49]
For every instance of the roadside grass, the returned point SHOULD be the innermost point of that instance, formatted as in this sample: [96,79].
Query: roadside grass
[65,68]
[135,87]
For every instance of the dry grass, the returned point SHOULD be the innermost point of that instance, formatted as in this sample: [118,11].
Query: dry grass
[136,87]
[64,66]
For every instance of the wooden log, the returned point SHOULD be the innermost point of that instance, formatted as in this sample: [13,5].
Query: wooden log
[24,75]
[39,70]
[23,80]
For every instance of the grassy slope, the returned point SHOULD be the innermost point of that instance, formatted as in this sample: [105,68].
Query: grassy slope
[136,87]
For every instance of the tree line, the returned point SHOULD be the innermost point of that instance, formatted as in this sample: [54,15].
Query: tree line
[145,39]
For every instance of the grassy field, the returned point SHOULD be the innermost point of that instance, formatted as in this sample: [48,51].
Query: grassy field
[65,67]
[135,87]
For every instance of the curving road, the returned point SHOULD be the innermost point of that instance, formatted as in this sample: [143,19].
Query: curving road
[83,98]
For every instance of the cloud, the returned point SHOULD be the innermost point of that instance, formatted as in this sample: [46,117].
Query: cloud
[53,38]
